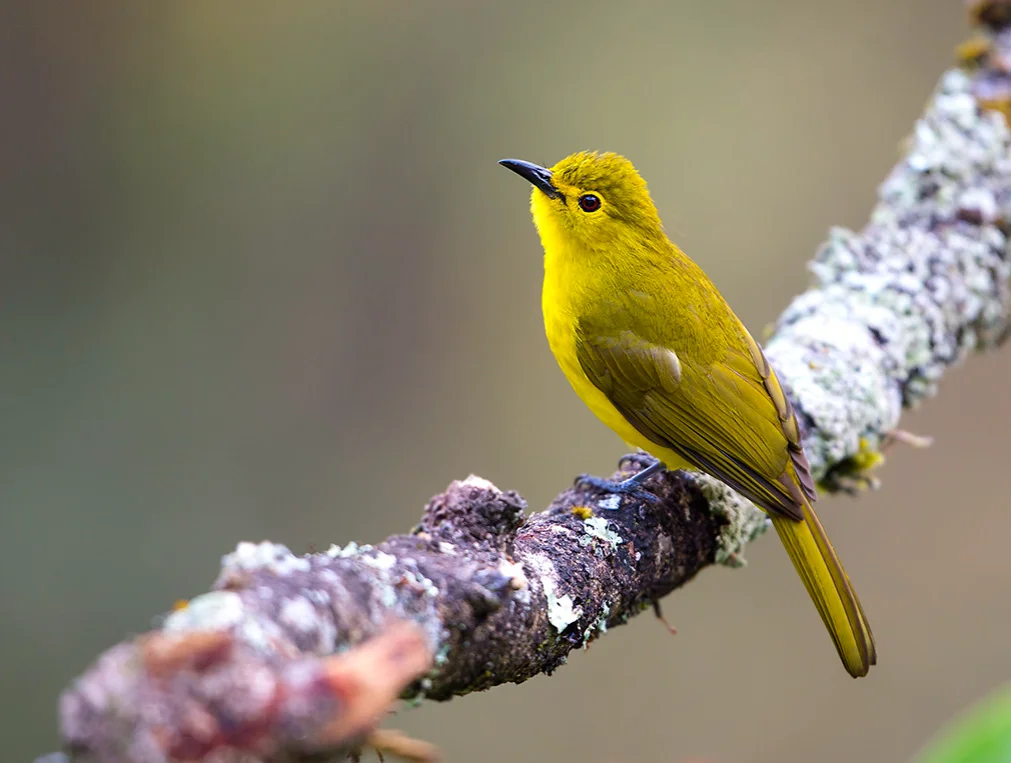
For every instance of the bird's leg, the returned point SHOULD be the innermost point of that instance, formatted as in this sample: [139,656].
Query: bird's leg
[631,486]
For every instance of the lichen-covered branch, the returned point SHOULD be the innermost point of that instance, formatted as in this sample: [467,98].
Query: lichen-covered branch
[500,595]
[924,283]
[212,695]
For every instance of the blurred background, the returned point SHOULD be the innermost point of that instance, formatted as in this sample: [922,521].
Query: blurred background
[261,277]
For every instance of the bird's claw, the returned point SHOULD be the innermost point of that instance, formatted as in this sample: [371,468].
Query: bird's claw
[625,487]
[639,459]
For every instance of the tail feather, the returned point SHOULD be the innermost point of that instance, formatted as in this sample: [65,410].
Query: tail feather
[872,650]
[829,587]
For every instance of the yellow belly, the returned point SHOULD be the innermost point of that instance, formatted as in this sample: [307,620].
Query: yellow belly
[561,334]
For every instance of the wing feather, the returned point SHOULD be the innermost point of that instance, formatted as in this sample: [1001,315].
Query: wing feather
[730,418]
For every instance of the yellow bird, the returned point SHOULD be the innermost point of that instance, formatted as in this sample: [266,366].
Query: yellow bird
[654,350]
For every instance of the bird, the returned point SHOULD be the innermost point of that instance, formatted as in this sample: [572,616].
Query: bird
[653,349]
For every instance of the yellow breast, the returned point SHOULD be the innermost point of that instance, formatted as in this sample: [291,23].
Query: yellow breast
[560,306]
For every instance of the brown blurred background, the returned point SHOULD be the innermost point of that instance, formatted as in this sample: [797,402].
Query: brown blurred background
[261,277]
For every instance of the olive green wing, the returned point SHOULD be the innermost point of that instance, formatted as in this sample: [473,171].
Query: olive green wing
[729,418]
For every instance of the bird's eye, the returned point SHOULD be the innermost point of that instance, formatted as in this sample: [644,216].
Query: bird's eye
[589,203]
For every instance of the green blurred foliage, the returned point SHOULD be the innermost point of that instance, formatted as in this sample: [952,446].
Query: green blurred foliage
[980,735]
[261,277]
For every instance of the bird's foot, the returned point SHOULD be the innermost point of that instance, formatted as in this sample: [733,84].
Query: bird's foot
[639,458]
[630,487]
[625,487]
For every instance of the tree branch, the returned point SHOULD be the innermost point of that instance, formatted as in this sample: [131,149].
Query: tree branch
[500,596]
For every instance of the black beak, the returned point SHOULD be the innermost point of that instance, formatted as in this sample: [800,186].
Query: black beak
[536,174]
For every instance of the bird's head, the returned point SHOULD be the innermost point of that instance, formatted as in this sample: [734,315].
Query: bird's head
[596,199]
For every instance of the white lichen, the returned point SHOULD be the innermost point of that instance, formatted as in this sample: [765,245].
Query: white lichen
[611,502]
[249,557]
[225,610]
[260,633]
[895,305]
[216,610]
[387,596]
[598,527]
[298,614]
[380,561]
[307,621]
[561,612]
[318,597]
[480,482]
[422,583]
[352,549]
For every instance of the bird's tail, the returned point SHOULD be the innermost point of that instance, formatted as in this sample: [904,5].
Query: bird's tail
[830,589]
